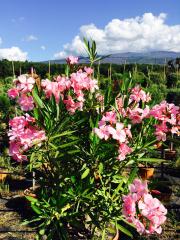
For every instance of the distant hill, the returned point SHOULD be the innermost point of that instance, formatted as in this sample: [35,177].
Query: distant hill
[154,57]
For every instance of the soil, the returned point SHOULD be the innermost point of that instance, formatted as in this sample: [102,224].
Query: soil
[13,211]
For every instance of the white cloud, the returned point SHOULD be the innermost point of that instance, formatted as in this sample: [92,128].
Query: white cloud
[145,33]
[30,38]
[43,47]
[13,54]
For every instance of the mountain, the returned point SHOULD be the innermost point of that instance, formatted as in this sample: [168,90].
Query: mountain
[154,57]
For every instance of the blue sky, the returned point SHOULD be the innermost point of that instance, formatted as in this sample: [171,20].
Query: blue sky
[41,28]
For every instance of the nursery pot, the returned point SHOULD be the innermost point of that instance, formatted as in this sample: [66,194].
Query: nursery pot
[169,154]
[3,174]
[146,172]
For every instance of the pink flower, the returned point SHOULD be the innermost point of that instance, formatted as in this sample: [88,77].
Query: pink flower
[100,98]
[88,70]
[138,114]
[72,60]
[23,134]
[110,117]
[64,83]
[52,88]
[161,131]
[139,226]
[139,187]
[135,115]
[80,96]
[141,209]
[15,152]
[26,102]
[123,151]
[102,132]
[18,122]
[72,106]
[13,93]
[118,133]
[29,118]
[128,131]
[153,210]
[120,106]
[165,112]
[25,83]
[81,81]
[137,94]
[175,130]
[93,85]
[129,207]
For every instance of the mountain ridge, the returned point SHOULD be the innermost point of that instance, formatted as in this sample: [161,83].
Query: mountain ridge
[152,57]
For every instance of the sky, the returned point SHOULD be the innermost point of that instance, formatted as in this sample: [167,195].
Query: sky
[39,30]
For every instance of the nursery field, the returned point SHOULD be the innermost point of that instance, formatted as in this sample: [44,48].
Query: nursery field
[89,152]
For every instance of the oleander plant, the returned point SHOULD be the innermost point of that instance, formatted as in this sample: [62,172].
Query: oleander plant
[86,143]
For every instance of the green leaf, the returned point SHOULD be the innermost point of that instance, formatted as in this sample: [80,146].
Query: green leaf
[85,173]
[37,99]
[57,111]
[31,199]
[128,223]
[132,175]
[101,167]
[73,151]
[65,133]
[36,209]
[42,231]
[73,179]
[124,230]
[155,160]
[67,70]
[68,144]
[36,113]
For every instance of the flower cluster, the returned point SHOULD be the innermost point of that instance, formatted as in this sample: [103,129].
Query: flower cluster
[79,83]
[137,114]
[24,86]
[168,119]
[72,60]
[133,111]
[108,127]
[141,209]
[23,134]
[137,95]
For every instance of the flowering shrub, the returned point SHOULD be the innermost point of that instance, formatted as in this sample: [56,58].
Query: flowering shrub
[141,209]
[81,139]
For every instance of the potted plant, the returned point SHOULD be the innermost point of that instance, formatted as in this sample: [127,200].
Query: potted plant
[81,149]
[146,172]
[170,153]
